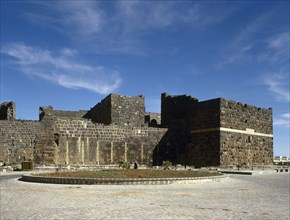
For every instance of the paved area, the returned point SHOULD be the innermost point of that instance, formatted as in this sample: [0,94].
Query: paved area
[240,197]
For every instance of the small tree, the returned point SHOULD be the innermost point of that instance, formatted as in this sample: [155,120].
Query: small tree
[166,165]
[124,165]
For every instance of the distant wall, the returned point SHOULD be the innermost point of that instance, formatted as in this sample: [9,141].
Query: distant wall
[245,149]
[225,132]
[119,110]
[250,141]
[204,143]
[204,149]
[174,108]
[237,115]
[176,113]
[153,119]
[18,140]
[215,132]
[49,111]
[84,142]
[7,111]
[101,112]
[205,114]
[128,110]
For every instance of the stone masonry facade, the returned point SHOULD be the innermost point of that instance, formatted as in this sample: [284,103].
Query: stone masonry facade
[215,132]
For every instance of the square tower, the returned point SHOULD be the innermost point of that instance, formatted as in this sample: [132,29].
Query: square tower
[7,111]
[119,110]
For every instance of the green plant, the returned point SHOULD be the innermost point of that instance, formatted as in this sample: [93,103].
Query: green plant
[166,165]
[124,165]
[239,166]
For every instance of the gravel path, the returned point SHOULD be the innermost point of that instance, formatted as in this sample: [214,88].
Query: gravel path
[240,197]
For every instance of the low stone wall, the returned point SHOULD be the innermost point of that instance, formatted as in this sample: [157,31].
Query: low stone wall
[110,181]
[84,142]
[17,140]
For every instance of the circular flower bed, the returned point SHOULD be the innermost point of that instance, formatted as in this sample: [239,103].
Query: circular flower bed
[144,173]
[123,177]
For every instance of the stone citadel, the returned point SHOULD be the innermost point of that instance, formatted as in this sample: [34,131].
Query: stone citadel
[215,132]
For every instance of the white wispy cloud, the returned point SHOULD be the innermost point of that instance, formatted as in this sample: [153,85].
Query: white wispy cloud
[257,41]
[156,15]
[122,26]
[283,120]
[62,68]
[270,49]
[240,48]
[159,14]
[83,18]
[278,84]
[277,48]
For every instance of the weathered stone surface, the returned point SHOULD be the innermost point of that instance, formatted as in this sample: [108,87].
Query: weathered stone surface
[215,132]
[119,110]
[7,111]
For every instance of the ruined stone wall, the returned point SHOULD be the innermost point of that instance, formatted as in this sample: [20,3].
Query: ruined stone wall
[248,141]
[208,133]
[49,111]
[119,110]
[84,142]
[245,150]
[101,112]
[127,110]
[204,149]
[205,115]
[241,116]
[176,112]
[18,140]
[215,132]
[7,111]
[46,145]
[204,145]
[153,119]
[27,140]
[175,108]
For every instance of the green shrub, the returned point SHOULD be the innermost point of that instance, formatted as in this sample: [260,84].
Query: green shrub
[166,165]
[124,165]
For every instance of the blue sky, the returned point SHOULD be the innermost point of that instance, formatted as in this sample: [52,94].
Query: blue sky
[72,54]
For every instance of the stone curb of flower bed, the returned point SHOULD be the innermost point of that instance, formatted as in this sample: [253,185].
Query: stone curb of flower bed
[119,181]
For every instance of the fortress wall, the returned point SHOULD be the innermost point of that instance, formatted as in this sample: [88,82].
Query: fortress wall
[206,115]
[49,111]
[247,138]
[84,142]
[18,139]
[175,108]
[245,149]
[204,149]
[119,110]
[69,114]
[101,112]
[7,111]
[127,110]
[208,133]
[240,116]
[153,119]
[175,115]
[225,132]
[204,146]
